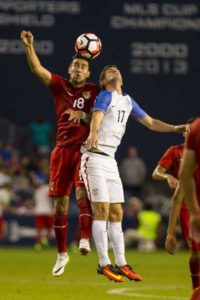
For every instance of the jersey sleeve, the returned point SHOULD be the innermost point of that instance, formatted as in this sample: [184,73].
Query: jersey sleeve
[167,159]
[55,81]
[102,101]
[137,112]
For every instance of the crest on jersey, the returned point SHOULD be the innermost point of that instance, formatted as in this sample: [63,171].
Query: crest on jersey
[51,186]
[86,95]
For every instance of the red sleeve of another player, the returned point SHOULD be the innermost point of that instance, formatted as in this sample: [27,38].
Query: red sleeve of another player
[95,92]
[167,159]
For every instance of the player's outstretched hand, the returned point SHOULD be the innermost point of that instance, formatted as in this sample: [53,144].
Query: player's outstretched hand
[92,140]
[170,243]
[181,128]
[172,181]
[195,227]
[26,38]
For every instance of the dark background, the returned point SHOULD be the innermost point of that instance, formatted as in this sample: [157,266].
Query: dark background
[167,96]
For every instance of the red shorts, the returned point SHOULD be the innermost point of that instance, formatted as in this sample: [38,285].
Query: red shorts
[64,171]
[43,221]
[184,222]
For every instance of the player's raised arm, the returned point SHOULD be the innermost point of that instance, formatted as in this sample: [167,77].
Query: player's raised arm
[101,104]
[34,63]
[92,141]
[159,126]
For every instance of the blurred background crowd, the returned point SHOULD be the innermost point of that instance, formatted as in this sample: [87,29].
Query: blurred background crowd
[24,197]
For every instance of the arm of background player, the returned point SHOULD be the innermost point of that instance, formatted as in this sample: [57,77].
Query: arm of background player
[159,126]
[159,173]
[187,169]
[170,242]
[92,141]
[43,74]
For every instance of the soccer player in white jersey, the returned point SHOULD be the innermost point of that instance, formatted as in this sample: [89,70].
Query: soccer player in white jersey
[100,172]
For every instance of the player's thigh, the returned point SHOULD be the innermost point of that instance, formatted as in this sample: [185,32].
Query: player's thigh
[114,183]
[116,193]
[62,162]
[80,188]
[93,173]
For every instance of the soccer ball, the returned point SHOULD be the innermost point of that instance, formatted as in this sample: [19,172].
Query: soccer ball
[88,45]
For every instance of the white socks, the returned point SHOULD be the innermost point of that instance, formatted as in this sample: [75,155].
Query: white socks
[100,236]
[116,236]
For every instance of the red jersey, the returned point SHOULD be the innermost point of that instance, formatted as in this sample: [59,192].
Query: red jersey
[67,97]
[171,159]
[193,143]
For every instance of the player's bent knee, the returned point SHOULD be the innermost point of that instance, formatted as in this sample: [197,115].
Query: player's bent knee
[101,211]
[116,212]
[61,203]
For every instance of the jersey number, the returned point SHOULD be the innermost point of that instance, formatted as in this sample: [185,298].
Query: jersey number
[79,103]
[121,114]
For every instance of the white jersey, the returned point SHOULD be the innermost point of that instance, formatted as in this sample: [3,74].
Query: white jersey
[117,109]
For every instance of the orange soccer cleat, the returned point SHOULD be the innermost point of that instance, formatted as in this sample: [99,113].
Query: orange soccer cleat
[110,273]
[128,272]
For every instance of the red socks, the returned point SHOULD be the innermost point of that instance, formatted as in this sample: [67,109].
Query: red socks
[85,217]
[195,271]
[61,229]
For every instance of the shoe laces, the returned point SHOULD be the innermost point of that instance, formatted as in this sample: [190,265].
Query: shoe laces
[127,268]
[111,268]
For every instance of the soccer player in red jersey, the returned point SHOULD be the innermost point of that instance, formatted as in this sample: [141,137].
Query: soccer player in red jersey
[73,100]
[190,183]
[167,169]
[190,178]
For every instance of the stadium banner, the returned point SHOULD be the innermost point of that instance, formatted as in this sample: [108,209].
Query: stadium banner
[19,230]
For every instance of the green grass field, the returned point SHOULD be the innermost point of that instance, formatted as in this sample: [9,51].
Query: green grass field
[26,275]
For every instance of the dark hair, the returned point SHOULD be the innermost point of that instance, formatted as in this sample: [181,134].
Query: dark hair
[78,56]
[102,74]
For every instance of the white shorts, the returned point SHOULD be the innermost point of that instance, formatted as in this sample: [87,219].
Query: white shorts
[101,177]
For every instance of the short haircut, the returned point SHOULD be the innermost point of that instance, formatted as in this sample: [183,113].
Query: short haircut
[78,56]
[102,74]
